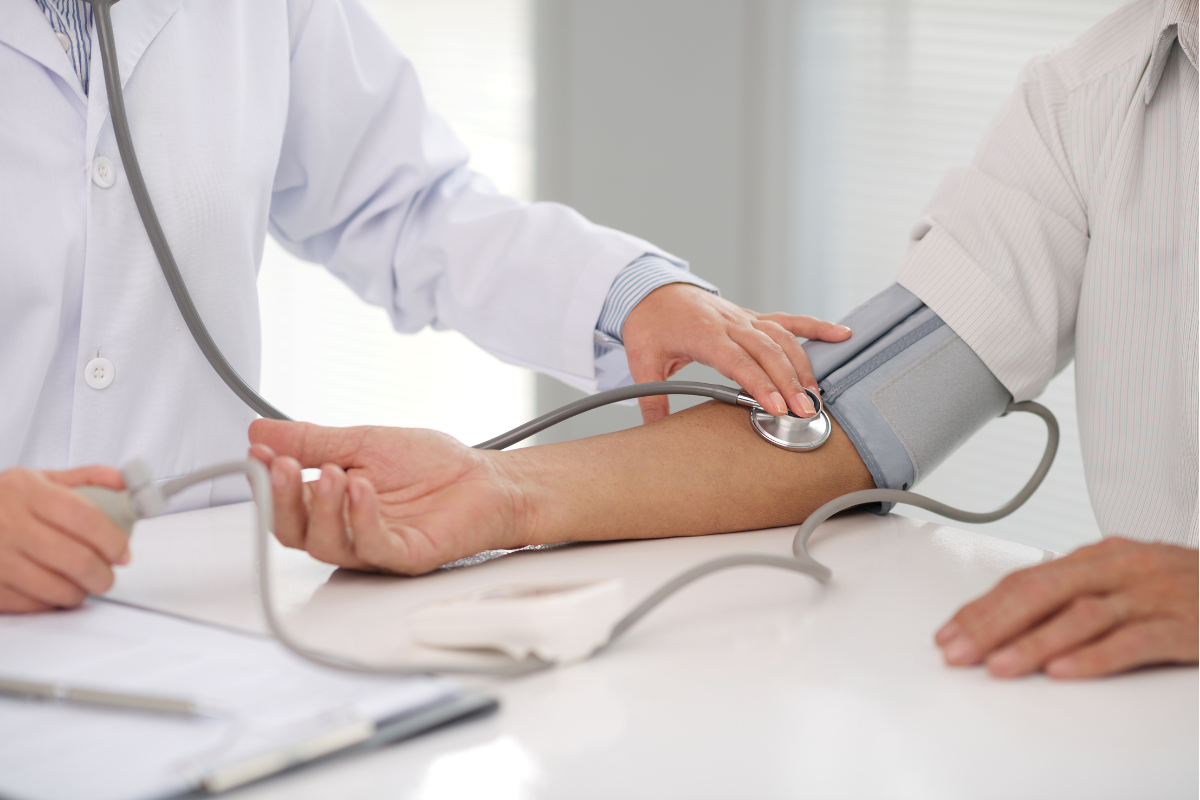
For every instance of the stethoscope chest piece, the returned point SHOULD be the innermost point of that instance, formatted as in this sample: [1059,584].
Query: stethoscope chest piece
[793,433]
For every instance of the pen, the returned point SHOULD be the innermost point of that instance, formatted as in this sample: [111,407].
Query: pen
[97,697]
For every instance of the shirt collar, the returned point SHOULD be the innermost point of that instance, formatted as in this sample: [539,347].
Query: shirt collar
[1178,23]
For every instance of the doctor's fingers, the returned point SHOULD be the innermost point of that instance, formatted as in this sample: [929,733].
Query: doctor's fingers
[647,367]
[809,327]
[13,602]
[94,475]
[29,500]
[797,358]
[25,576]
[63,555]
[329,538]
[766,371]
[654,408]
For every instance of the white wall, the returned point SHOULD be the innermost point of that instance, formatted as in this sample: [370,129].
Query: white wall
[664,118]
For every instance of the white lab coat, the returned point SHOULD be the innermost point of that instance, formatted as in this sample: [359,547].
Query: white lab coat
[297,117]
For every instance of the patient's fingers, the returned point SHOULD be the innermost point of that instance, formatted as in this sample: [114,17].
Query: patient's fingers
[328,539]
[1154,641]
[291,512]
[311,445]
[283,436]
[373,542]
[262,453]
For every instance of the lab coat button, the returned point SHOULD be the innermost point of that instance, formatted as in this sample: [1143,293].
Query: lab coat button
[98,373]
[64,40]
[103,173]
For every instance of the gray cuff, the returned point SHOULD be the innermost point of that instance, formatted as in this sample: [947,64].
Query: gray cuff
[905,388]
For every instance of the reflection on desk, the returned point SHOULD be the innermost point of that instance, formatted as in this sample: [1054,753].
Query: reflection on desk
[751,683]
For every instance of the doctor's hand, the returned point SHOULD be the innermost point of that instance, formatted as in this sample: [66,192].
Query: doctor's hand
[55,547]
[398,500]
[679,323]
[1103,609]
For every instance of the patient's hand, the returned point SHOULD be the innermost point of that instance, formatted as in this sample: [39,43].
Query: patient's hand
[55,547]
[1103,609]
[680,323]
[392,499]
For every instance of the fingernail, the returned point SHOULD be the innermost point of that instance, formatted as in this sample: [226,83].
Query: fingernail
[961,652]
[325,484]
[1006,662]
[778,407]
[844,329]
[805,404]
[124,558]
[278,479]
[950,630]
[356,492]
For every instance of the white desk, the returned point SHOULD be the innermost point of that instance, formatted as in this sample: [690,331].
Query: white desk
[753,683]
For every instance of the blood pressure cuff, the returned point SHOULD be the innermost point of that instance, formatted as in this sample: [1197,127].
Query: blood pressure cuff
[905,388]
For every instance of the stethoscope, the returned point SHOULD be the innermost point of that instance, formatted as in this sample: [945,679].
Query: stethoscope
[144,498]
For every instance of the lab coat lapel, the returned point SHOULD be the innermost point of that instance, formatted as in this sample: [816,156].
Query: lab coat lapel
[135,24]
[24,28]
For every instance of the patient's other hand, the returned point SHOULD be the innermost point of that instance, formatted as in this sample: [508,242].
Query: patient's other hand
[389,499]
[1105,608]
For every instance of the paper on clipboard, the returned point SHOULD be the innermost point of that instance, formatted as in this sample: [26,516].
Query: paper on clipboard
[275,708]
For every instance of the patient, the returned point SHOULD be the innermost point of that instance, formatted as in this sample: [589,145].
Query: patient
[1072,233]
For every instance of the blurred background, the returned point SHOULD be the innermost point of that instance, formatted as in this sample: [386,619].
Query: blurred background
[783,147]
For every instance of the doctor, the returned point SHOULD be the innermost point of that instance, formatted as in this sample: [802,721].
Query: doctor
[297,118]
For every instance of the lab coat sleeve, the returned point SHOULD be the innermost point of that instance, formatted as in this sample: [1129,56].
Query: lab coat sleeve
[999,251]
[376,187]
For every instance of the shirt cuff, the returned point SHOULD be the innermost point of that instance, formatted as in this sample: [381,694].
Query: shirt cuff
[631,285]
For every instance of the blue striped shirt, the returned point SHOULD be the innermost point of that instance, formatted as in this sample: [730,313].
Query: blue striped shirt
[72,23]
[630,287]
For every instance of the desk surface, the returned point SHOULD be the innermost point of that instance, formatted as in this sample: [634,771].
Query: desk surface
[752,683]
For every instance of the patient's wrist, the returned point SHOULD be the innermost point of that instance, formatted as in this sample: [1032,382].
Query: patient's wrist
[524,496]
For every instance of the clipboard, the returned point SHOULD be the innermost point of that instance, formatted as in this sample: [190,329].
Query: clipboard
[270,712]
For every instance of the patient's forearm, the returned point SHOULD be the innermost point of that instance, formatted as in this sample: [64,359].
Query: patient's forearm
[407,500]
[703,470]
